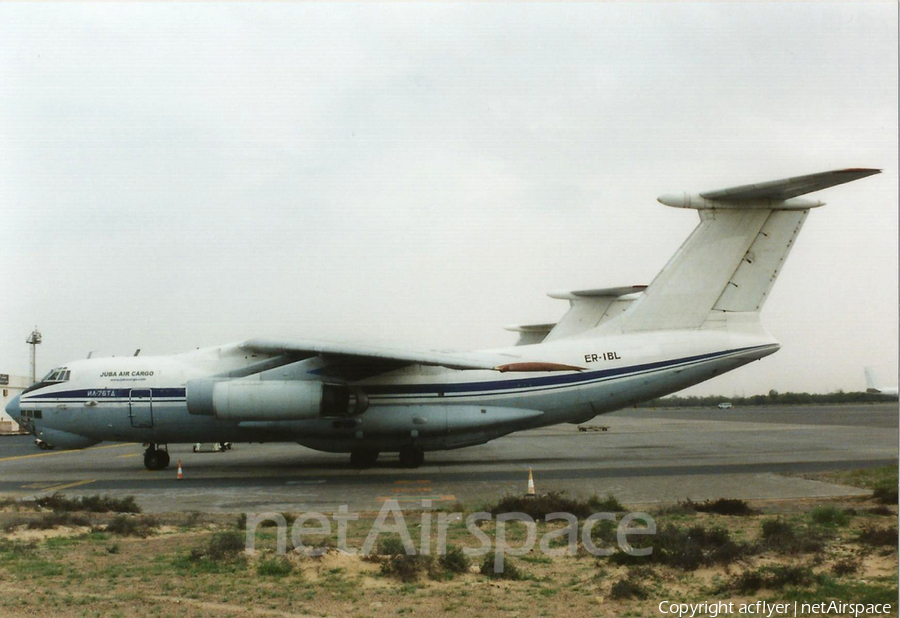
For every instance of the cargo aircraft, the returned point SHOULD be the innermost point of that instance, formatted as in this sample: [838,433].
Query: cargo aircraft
[880,389]
[615,347]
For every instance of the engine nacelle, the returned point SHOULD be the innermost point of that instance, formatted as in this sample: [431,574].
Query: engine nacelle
[272,400]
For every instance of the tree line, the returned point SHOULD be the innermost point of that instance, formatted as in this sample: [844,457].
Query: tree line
[772,398]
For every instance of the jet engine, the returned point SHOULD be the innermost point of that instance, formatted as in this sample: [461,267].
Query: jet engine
[273,400]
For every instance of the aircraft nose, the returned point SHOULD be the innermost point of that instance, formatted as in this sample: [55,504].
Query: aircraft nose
[12,408]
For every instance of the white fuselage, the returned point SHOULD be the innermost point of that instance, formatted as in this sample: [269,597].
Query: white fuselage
[144,398]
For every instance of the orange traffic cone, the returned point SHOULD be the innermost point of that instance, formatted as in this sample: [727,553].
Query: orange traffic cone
[530,491]
[180,476]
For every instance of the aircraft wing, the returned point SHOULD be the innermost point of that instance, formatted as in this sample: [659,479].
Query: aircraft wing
[306,348]
[789,187]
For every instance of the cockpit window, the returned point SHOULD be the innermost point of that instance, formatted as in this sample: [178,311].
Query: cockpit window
[56,376]
[60,374]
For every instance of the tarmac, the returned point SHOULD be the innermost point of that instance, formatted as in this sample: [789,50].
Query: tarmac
[646,456]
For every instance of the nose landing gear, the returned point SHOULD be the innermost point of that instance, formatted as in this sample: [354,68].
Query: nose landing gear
[155,458]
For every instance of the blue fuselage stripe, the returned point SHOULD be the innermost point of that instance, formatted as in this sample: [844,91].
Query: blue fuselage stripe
[177,394]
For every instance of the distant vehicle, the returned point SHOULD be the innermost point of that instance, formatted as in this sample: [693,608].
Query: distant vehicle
[618,346]
[724,405]
[880,390]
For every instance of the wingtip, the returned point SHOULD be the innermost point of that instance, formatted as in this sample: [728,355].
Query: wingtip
[866,171]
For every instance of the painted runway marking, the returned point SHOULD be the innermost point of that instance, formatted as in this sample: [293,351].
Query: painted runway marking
[447,498]
[68,485]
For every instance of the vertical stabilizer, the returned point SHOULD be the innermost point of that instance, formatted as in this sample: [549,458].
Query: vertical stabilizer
[731,260]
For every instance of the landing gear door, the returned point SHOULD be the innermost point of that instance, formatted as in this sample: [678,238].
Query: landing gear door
[141,408]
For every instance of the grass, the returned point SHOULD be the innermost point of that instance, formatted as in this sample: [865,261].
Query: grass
[866,478]
[758,554]
[278,566]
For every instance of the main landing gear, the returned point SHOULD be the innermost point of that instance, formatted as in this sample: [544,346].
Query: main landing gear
[412,456]
[155,458]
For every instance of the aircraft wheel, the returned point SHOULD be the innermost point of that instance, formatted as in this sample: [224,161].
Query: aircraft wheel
[363,457]
[155,459]
[412,456]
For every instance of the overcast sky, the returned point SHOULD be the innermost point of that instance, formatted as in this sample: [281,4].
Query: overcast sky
[184,175]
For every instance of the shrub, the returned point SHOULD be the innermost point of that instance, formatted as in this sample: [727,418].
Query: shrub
[275,567]
[47,521]
[627,588]
[845,566]
[878,537]
[92,504]
[609,504]
[689,549]
[454,560]
[391,545]
[684,507]
[725,506]
[781,536]
[124,525]
[510,570]
[829,516]
[407,568]
[538,507]
[771,578]
[885,493]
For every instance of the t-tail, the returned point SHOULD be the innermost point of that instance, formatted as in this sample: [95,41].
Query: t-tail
[726,268]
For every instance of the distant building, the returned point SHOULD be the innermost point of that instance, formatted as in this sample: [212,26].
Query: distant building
[10,386]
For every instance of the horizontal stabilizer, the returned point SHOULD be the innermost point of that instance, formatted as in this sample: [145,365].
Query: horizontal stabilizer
[774,194]
[530,328]
[599,293]
[731,260]
[530,334]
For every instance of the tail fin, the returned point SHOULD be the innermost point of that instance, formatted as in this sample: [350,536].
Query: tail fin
[870,380]
[731,260]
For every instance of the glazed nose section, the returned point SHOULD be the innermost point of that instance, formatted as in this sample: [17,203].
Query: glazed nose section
[12,408]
